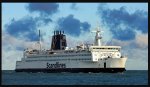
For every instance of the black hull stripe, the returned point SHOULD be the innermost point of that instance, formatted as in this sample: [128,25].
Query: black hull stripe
[74,70]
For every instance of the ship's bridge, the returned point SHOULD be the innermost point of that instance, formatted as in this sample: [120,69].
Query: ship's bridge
[100,52]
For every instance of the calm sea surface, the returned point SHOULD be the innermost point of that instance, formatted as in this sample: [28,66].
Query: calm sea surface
[129,77]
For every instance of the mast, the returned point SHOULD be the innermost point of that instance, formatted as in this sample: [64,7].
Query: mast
[98,37]
[40,40]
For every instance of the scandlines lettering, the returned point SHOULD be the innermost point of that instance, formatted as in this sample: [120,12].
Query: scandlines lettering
[56,65]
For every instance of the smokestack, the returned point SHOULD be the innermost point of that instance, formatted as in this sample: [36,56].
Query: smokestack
[54,32]
[63,32]
[57,32]
[60,32]
[58,40]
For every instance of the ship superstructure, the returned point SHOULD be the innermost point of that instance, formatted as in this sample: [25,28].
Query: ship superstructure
[82,58]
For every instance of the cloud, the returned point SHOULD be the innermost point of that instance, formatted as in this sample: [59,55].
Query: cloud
[45,9]
[42,20]
[134,49]
[120,34]
[46,20]
[13,43]
[140,42]
[121,23]
[85,26]
[74,6]
[23,28]
[10,42]
[26,27]
[72,25]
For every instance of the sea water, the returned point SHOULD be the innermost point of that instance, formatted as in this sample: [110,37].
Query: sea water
[129,77]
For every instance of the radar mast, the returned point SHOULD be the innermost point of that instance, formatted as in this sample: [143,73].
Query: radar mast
[98,36]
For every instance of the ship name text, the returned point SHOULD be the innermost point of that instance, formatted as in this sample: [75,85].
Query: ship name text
[56,65]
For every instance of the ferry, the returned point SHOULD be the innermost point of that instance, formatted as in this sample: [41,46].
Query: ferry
[82,58]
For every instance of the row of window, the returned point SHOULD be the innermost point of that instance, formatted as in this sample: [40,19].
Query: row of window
[67,55]
[76,51]
[107,48]
[59,60]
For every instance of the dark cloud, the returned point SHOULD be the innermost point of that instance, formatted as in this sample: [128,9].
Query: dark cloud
[85,26]
[45,9]
[140,21]
[117,17]
[23,28]
[26,27]
[72,25]
[74,6]
[127,34]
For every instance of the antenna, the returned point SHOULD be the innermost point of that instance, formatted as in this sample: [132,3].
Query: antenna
[40,40]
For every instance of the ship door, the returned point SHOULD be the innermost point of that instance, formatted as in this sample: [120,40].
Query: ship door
[104,64]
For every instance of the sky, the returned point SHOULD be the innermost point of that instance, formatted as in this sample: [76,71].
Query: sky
[124,24]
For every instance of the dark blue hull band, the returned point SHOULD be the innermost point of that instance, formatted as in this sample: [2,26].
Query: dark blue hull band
[74,70]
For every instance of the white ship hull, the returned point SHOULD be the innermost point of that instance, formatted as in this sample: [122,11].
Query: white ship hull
[102,65]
